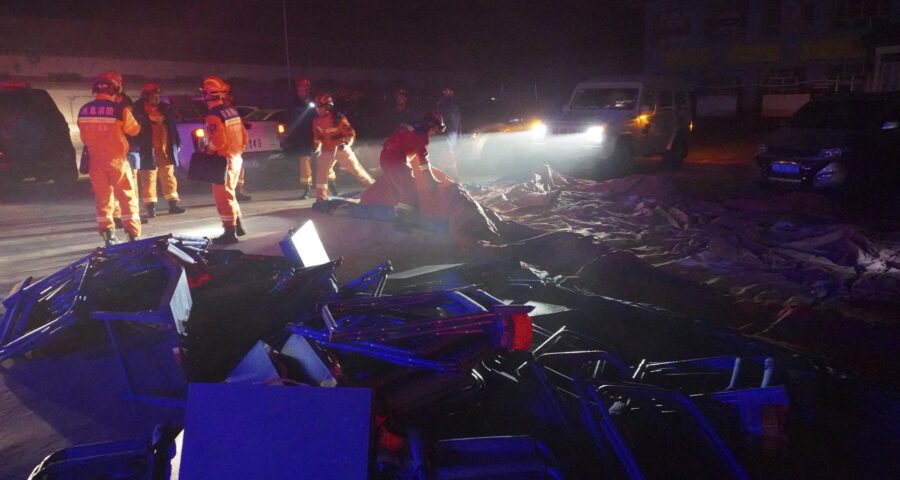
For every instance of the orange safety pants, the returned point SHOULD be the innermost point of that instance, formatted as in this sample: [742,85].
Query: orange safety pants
[117,211]
[113,182]
[348,163]
[226,201]
[306,171]
[165,172]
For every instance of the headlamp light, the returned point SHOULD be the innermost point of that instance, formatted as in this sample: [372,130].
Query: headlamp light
[595,133]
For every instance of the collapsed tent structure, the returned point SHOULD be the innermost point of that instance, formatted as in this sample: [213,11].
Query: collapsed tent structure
[484,370]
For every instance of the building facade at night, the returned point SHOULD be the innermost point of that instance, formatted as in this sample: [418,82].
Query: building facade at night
[748,49]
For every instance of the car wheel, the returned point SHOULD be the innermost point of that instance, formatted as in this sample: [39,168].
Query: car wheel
[674,157]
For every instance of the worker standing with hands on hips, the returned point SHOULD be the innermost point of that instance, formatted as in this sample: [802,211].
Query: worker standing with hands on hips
[332,139]
[227,137]
[158,151]
[410,140]
[103,124]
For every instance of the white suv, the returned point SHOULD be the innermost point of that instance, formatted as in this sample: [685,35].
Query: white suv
[608,121]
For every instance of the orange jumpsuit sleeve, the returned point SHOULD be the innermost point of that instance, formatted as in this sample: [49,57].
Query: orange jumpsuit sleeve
[215,132]
[129,125]
[245,138]
[318,134]
[347,131]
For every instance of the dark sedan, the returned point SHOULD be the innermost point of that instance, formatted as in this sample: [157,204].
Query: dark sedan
[836,143]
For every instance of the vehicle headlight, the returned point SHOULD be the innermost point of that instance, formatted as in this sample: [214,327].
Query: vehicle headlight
[762,149]
[595,133]
[539,130]
[830,153]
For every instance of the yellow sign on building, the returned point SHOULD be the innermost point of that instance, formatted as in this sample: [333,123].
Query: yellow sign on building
[831,48]
[753,53]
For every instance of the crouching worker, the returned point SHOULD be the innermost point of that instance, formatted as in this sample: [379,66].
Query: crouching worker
[410,140]
[332,137]
[159,147]
[103,124]
[227,138]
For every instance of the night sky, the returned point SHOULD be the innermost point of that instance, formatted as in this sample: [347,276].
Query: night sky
[496,37]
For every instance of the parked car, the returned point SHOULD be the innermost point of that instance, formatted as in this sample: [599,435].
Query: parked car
[262,134]
[602,126]
[836,143]
[34,137]
[609,120]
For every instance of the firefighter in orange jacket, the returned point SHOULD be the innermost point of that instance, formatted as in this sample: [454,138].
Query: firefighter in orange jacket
[103,124]
[410,140]
[332,137]
[227,137]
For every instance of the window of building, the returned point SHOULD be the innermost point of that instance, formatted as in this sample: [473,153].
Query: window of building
[771,21]
[785,80]
[673,25]
[847,78]
[722,85]
[665,100]
[649,101]
[725,23]
[853,14]
[681,100]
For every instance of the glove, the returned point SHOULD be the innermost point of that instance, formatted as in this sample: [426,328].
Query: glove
[317,153]
[429,174]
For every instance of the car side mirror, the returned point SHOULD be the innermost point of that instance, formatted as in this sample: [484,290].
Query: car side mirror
[890,125]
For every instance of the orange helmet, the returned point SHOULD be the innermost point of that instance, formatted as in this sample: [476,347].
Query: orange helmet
[434,119]
[303,82]
[214,88]
[109,83]
[149,89]
[325,101]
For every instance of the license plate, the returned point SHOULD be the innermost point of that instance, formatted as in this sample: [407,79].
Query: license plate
[791,168]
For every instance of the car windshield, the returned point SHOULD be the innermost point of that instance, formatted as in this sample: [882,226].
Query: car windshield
[605,98]
[838,114]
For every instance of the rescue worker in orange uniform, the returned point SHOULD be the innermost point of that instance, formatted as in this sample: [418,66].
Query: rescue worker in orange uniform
[227,137]
[332,139]
[410,140]
[159,147]
[103,124]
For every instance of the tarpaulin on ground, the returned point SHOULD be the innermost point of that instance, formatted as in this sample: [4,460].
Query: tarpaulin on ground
[776,266]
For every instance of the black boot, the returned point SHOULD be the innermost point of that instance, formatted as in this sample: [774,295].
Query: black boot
[109,237]
[332,188]
[239,228]
[242,197]
[227,238]
[305,192]
[174,208]
[151,209]
[132,238]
